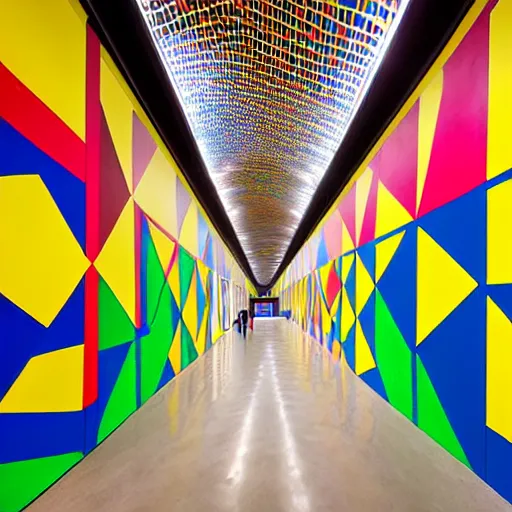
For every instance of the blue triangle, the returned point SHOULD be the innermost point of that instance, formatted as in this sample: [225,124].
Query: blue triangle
[499,464]
[176,313]
[501,294]
[209,259]
[203,233]
[367,255]
[460,228]
[145,240]
[57,433]
[21,157]
[398,286]
[349,347]
[350,286]
[454,356]
[323,256]
[167,375]
[22,337]
[110,362]
[374,380]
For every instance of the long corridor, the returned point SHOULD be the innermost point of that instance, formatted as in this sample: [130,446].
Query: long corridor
[269,424]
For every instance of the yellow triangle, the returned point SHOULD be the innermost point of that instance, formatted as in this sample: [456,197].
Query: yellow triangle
[347,316]
[499,245]
[390,213]
[384,252]
[119,114]
[189,311]
[201,337]
[499,153]
[156,193]
[189,231]
[364,357]
[51,382]
[442,285]
[346,265]
[164,246]
[363,185]
[175,351]
[499,376]
[324,275]
[347,244]
[174,282]
[203,271]
[364,285]
[430,102]
[116,262]
[335,304]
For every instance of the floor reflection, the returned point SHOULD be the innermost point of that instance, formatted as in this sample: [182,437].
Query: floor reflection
[269,424]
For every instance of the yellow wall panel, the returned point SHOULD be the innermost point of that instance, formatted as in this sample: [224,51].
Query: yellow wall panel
[189,231]
[41,262]
[499,376]
[430,101]
[51,382]
[118,110]
[156,193]
[499,241]
[116,262]
[44,44]
[499,149]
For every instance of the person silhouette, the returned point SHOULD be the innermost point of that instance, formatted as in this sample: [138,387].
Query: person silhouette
[243,318]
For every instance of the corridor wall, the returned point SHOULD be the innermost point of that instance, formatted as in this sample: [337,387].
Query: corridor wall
[110,272]
[408,279]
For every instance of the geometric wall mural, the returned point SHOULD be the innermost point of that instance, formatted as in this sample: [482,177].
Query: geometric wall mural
[409,278]
[110,273]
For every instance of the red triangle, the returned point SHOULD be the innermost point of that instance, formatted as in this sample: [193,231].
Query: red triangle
[458,158]
[396,164]
[333,286]
[114,193]
[144,148]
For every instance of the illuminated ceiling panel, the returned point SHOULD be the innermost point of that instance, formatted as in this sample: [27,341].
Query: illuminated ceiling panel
[269,89]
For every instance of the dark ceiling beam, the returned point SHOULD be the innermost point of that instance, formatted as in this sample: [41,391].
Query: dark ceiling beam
[425,29]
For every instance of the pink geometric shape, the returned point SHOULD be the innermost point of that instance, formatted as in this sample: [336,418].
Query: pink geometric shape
[347,209]
[397,161]
[143,149]
[332,235]
[183,202]
[458,159]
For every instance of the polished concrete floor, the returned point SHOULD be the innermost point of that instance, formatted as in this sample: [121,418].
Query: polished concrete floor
[268,425]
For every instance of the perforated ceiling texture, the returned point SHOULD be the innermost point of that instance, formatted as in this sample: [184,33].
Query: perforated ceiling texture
[269,89]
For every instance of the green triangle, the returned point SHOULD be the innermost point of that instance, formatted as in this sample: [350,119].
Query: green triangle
[186,267]
[115,326]
[122,401]
[394,358]
[23,481]
[155,281]
[188,349]
[431,416]
[156,345]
